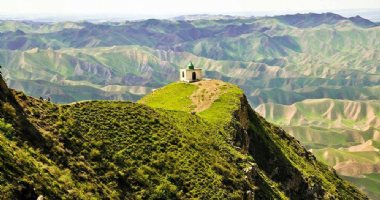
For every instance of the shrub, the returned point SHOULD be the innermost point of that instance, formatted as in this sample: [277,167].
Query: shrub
[6,128]
[94,154]
[8,108]
[165,190]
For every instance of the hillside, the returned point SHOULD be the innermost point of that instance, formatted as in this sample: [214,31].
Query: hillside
[128,150]
[341,133]
[280,59]
[324,67]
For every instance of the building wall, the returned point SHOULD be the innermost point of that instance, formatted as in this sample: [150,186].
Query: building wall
[182,75]
[188,74]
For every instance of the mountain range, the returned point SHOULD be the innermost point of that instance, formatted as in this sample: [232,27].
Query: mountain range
[317,75]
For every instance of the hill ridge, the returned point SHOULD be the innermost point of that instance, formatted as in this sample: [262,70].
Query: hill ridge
[121,149]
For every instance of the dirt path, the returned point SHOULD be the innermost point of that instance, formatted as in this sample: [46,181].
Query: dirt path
[208,91]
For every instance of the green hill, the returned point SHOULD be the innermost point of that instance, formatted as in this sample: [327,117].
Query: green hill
[116,149]
[281,61]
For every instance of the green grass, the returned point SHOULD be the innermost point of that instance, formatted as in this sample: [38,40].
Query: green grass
[6,128]
[291,153]
[122,149]
[119,149]
[175,96]
[221,110]
[148,149]
[220,114]
[26,171]
[338,61]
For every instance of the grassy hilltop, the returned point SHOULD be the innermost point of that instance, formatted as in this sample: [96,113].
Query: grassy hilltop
[183,141]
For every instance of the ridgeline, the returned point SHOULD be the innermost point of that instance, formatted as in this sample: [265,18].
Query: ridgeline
[182,141]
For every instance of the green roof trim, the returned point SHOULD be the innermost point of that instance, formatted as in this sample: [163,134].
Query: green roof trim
[190,66]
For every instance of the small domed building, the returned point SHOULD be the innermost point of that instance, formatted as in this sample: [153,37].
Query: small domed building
[191,74]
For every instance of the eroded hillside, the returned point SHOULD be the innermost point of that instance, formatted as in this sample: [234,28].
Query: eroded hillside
[344,134]
[281,59]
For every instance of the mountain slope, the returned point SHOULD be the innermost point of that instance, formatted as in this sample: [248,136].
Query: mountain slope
[342,133]
[256,136]
[280,60]
[122,149]
[271,60]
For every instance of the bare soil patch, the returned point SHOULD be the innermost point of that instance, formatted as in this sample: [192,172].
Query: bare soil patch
[208,91]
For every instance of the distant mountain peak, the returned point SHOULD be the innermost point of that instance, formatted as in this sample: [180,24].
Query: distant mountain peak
[309,20]
[205,17]
[358,20]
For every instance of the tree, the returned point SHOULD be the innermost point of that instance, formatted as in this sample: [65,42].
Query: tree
[0,70]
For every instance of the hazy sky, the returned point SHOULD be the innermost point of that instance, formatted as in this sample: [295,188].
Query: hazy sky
[174,7]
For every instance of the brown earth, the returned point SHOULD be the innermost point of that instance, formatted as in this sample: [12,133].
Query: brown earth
[353,168]
[367,146]
[208,91]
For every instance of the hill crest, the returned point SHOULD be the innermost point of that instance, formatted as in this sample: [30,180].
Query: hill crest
[121,149]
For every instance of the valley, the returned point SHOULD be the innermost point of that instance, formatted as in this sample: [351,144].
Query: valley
[341,133]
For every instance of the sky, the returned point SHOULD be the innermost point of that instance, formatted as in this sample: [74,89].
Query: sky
[156,8]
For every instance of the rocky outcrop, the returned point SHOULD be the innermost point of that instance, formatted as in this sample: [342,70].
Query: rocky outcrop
[283,159]
[4,91]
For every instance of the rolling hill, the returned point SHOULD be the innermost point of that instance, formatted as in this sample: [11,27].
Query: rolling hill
[155,149]
[342,133]
[281,59]
[324,67]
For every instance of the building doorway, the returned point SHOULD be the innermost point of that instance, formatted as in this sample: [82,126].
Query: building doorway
[194,76]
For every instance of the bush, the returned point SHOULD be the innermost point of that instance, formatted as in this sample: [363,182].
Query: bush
[165,190]
[8,108]
[94,154]
[6,128]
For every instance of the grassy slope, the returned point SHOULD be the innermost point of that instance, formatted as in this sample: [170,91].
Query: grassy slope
[119,149]
[337,61]
[102,148]
[174,101]
[156,154]
[175,96]
[295,162]
[33,160]
[293,159]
